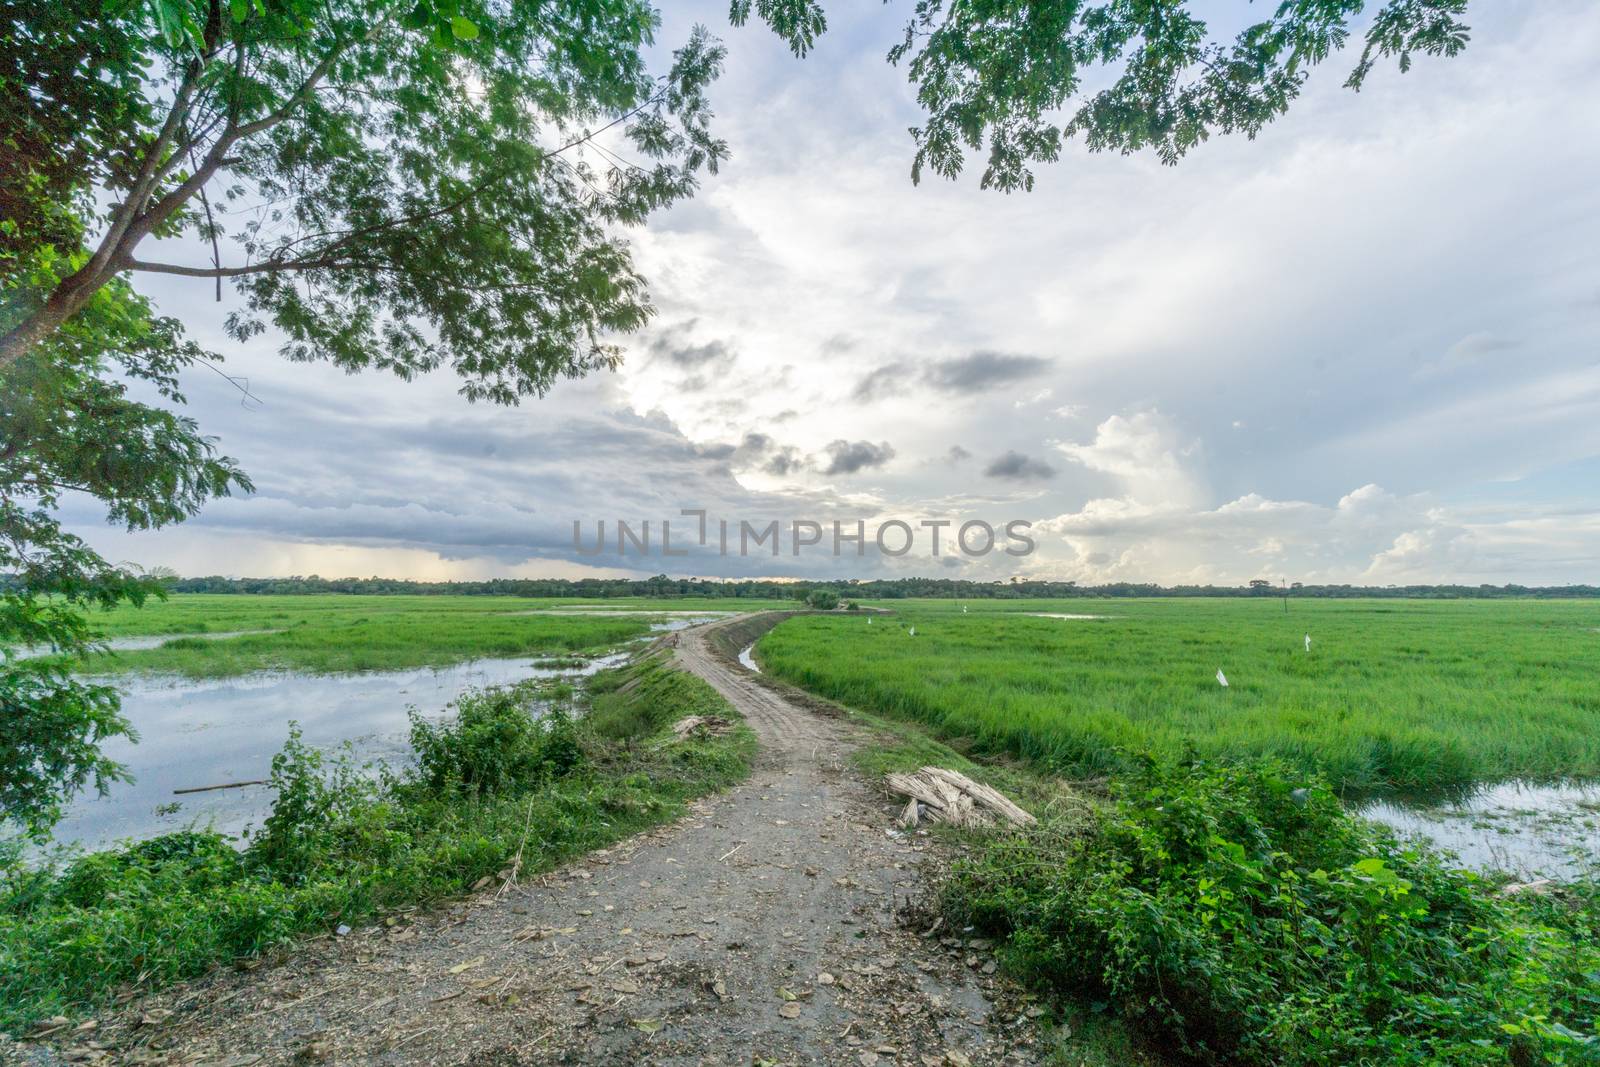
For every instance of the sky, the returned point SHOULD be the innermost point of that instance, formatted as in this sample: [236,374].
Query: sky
[1362,348]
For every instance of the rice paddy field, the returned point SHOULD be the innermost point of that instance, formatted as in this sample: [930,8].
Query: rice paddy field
[1400,697]
[219,635]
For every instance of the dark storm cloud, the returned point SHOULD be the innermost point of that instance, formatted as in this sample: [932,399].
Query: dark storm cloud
[848,457]
[882,382]
[957,454]
[676,347]
[784,462]
[976,373]
[760,450]
[981,371]
[693,356]
[1014,466]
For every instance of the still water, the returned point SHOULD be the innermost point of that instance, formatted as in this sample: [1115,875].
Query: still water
[212,732]
[1530,831]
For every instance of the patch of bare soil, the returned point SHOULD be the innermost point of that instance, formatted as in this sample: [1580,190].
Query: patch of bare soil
[766,927]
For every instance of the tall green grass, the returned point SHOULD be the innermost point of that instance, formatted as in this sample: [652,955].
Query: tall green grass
[1393,696]
[349,632]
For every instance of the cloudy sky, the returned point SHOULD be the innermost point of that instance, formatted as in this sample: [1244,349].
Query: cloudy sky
[1363,348]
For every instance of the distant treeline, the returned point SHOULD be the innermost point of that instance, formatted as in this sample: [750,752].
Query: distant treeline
[874,589]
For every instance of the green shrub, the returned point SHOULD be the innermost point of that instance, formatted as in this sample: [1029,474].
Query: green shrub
[200,861]
[1251,919]
[318,796]
[494,744]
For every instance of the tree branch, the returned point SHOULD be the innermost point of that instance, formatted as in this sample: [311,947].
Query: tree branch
[265,267]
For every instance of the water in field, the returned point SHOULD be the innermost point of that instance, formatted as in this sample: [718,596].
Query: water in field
[144,641]
[217,731]
[705,615]
[1064,615]
[747,658]
[1531,831]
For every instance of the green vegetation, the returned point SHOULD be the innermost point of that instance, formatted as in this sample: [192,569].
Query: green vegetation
[493,789]
[1393,695]
[347,633]
[1242,916]
[1233,910]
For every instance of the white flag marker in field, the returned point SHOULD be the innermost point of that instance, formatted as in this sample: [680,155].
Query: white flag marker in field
[1222,679]
[912,632]
[869,620]
[1308,642]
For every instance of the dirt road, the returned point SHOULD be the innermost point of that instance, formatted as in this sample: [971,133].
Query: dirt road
[760,929]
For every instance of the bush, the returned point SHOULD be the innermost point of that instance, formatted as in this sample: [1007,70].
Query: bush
[494,744]
[1251,919]
[318,796]
[822,599]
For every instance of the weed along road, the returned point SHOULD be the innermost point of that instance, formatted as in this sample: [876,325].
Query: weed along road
[770,925]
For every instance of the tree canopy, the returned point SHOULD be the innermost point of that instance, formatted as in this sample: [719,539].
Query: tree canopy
[387,184]
[1007,78]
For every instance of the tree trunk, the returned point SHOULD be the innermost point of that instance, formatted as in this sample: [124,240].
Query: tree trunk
[68,298]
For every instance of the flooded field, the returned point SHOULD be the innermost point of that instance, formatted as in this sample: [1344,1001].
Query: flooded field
[1531,831]
[205,732]
[148,641]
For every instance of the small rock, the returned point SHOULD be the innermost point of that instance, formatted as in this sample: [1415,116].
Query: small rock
[790,1011]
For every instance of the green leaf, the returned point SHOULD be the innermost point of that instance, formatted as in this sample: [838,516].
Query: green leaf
[463,28]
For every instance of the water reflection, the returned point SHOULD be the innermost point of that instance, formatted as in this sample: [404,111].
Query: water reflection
[144,641]
[1531,831]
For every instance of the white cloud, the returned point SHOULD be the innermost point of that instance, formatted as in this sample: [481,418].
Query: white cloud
[1146,456]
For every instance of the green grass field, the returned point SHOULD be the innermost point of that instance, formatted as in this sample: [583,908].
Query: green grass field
[1394,695]
[349,632]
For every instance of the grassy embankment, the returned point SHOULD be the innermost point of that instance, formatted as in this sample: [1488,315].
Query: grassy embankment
[1394,695]
[492,789]
[349,633]
[1231,910]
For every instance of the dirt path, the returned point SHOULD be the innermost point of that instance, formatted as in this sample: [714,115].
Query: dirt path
[760,929]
